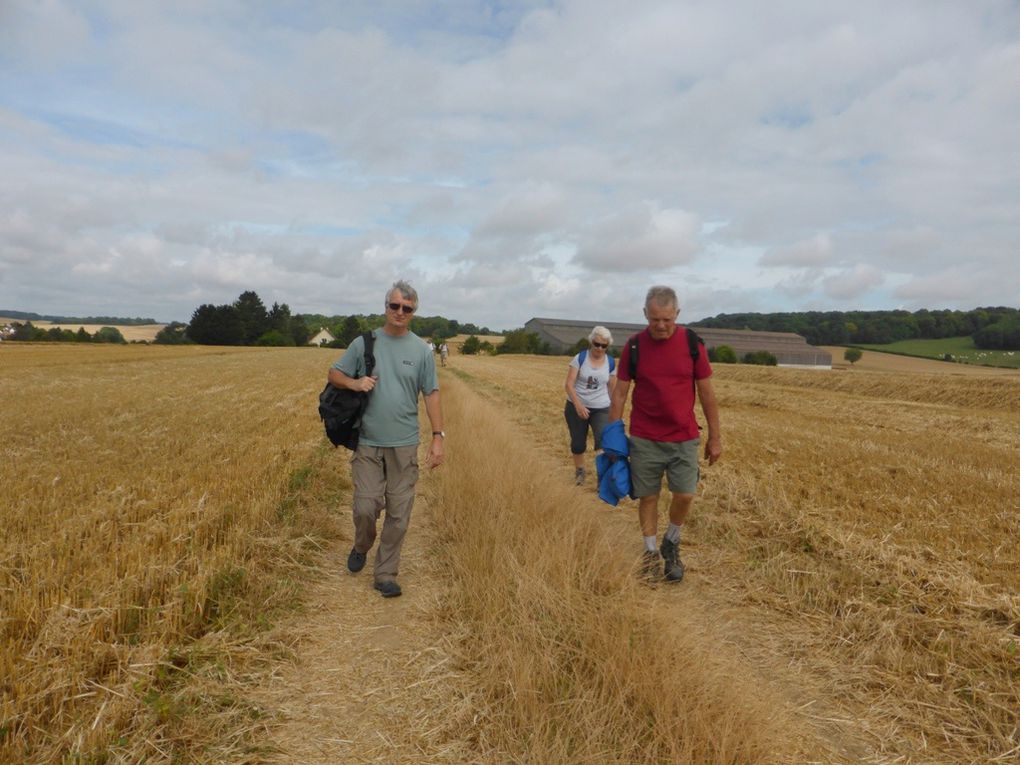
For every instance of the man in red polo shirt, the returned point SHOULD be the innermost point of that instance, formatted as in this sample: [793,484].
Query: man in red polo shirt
[664,435]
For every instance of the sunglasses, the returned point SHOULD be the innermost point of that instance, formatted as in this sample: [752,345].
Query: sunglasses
[401,307]
[603,346]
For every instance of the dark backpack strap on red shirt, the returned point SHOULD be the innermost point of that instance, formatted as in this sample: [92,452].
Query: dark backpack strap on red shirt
[692,345]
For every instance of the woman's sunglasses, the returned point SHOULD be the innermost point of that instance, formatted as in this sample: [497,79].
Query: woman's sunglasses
[401,307]
[603,346]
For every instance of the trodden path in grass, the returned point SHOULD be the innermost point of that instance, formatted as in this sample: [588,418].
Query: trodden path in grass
[371,677]
[374,680]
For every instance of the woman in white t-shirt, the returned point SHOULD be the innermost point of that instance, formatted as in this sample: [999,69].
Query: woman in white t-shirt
[591,378]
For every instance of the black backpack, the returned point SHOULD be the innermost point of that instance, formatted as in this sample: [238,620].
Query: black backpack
[341,409]
[692,344]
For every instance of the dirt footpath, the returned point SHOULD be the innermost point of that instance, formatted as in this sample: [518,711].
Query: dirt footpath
[372,678]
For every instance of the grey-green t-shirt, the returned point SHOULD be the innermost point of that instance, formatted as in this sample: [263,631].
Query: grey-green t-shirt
[405,367]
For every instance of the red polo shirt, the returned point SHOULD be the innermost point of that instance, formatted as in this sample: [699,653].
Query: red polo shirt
[662,407]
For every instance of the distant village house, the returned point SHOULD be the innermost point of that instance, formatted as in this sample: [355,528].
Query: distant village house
[322,337]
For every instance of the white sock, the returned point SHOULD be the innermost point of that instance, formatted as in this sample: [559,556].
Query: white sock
[650,545]
[673,533]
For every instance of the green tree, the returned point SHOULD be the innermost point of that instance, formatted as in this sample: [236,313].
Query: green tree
[1002,335]
[722,354]
[174,333]
[275,337]
[522,341]
[762,358]
[471,346]
[350,329]
[853,355]
[108,335]
[299,331]
[216,325]
[82,336]
[253,315]
[27,331]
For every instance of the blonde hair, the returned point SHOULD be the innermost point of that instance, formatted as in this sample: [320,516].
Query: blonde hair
[600,332]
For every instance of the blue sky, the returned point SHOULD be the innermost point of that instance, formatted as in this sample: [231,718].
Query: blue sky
[510,159]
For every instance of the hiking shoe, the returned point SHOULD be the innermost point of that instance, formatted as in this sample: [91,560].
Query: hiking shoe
[673,567]
[579,476]
[388,588]
[650,565]
[355,561]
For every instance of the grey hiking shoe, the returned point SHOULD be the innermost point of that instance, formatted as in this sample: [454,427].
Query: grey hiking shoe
[673,567]
[388,588]
[579,476]
[355,561]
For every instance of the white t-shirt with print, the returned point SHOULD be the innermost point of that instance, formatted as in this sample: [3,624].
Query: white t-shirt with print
[592,384]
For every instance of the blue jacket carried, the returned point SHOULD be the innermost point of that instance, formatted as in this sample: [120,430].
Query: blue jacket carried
[612,467]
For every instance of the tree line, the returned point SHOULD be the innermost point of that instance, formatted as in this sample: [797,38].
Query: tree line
[345,328]
[990,328]
[30,316]
[247,321]
[28,332]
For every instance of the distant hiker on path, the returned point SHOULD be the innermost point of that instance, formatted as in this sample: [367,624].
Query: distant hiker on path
[385,464]
[444,351]
[591,377]
[672,365]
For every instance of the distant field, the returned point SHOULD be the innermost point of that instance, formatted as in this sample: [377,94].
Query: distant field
[131,332]
[882,361]
[961,348]
[458,340]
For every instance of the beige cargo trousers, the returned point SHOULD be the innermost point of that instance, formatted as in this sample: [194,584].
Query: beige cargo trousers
[384,478]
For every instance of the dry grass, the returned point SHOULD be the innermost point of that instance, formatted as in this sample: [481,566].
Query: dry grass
[871,519]
[570,663]
[852,595]
[149,526]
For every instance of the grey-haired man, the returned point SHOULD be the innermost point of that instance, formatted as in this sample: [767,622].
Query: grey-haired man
[385,464]
[664,434]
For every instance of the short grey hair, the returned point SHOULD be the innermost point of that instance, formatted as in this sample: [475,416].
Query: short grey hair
[661,295]
[600,332]
[406,290]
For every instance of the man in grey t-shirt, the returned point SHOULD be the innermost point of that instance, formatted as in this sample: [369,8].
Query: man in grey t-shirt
[385,464]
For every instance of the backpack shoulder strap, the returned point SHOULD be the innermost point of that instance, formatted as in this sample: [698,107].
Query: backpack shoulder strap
[692,343]
[612,364]
[369,340]
[581,357]
[632,359]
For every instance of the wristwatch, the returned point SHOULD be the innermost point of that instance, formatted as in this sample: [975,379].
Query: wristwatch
[439,433]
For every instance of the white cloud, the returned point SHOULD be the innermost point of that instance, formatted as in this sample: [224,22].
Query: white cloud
[640,238]
[859,155]
[816,251]
[852,283]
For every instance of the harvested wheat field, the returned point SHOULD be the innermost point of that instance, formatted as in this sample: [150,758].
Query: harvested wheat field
[174,589]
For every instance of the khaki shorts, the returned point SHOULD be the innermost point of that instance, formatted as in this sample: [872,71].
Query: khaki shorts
[650,459]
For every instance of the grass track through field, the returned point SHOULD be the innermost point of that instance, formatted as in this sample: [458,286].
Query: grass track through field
[861,536]
[851,593]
